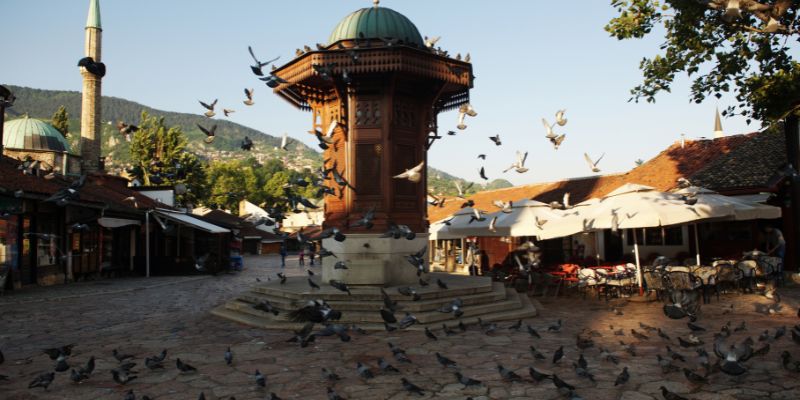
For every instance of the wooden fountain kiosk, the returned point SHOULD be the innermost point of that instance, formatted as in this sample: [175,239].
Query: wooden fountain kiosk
[377,89]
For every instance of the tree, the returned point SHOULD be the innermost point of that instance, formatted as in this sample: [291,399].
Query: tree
[159,157]
[60,121]
[739,46]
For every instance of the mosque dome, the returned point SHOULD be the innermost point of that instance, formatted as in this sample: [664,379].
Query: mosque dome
[375,23]
[32,134]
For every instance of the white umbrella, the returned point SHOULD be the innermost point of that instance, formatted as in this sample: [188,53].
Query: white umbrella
[533,218]
[743,210]
[637,206]
[442,230]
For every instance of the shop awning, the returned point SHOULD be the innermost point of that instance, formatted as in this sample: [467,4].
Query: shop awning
[190,221]
[107,222]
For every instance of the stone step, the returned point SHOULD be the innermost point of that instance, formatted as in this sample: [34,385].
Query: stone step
[352,303]
[526,310]
[509,302]
[297,288]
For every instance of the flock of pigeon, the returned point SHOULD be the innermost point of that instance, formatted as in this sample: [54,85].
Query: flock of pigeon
[689,357]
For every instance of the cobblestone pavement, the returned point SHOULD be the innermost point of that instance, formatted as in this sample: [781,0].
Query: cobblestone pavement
[142,317]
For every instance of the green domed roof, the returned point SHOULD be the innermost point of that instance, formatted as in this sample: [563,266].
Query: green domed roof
[33,134]
[374,23]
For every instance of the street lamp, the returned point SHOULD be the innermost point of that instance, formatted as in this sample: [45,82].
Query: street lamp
[6,100]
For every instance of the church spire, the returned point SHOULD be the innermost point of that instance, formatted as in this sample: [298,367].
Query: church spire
[718,132]
[93,20]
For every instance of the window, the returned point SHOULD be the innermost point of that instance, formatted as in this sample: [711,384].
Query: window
[673,236]
[654,237]
[639,236]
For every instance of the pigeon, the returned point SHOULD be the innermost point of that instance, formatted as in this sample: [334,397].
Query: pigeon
[129,395]
[43,380]
[261,380]
[61,364]
[412,388]
[675,355]
[533,332]
[516,326]
[77,377]
[329,376]
[583,372]
[464,111]
[153,364]
[312,284]
[364,371]
[412,175]
[430,334]
[448,331]
[95,68]
[623,377]
[183,367]
[332,395]
[210,133]
[639,335]
[593,164]
[519,164]
[606,355]
[228,356]
[536,375]
[496,140]
[339,285]
[483,174]
[788,363]
[210,107]
[446,362]
[558,355]
[441,284]
[536,354]
[507,374]
[385,366]
[407,321]
[122,377]
[694,377]
[418,260]
[315,311]
[556,141]
[670,395]
[556,327]
[247,144]
[563,387]
[560,119]
[121,357]
[731,360]
[267,307]
[663,334]
[54,353]
[666,365]
[257,68]
[249,94]
[409,291]
[388,316]
[467,381]
[88,368]
[366,219]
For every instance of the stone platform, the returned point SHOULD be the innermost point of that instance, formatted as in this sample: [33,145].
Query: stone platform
[490,301]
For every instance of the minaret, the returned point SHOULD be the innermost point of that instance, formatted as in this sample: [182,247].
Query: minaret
[90,103]
[718,133]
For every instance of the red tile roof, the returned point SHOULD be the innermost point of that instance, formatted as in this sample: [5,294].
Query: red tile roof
[661,172]
[99,190]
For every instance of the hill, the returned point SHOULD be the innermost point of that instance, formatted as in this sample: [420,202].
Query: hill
[39,103]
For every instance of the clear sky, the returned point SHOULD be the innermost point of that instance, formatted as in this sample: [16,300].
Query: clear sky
[530,58]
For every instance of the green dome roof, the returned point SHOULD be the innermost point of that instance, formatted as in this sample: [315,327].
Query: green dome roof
[33,134]
[375,23]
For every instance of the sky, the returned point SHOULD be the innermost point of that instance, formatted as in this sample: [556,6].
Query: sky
[529,58]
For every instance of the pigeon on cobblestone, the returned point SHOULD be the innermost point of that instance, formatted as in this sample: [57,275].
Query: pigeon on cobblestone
[412,388]
[261,380]
[77,377]
[266,306]
[364,371]
[694,377]
[537,354]
[121,357]
[536,375]
[385,366]
[508,374]
[623,377]
[467,381]
[332,395]
[129,395]
[61,364]
[430,334]
[445,362]
[43,380]
[670,395]
[533,332]
[53,353]
[153,364]
[122,377]
[228,356]
[558,355]
[329,376]
[183,367]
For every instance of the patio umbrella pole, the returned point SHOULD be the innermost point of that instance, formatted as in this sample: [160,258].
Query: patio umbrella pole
[696,245]
[638,265]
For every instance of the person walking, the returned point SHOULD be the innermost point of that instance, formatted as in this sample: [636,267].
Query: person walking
[472,259]
[776,247]
[283,254]
[301,257]
[311,252]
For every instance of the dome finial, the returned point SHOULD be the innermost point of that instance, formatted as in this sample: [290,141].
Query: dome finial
[376,2]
